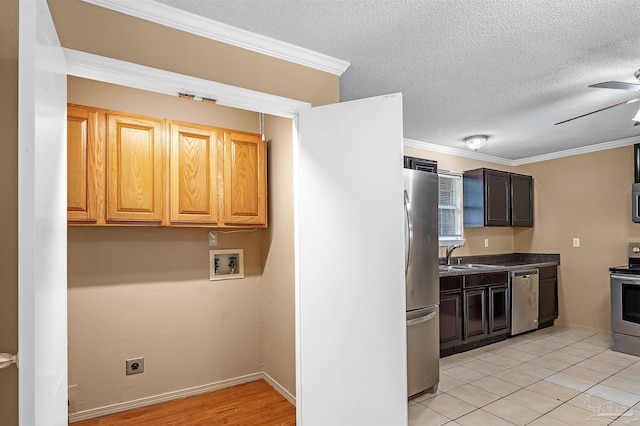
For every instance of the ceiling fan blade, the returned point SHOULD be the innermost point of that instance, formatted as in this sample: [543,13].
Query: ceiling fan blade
[598,110]
[617,85]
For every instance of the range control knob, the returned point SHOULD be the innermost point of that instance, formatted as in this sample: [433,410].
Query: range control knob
[635,249]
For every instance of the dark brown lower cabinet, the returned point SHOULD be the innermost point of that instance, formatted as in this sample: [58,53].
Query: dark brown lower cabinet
[450,312]
[450,319]
[499,309]
[475,309]
[475,313]
[548,295]
[486,305]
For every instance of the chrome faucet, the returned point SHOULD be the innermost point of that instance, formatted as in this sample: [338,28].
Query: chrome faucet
[450,250]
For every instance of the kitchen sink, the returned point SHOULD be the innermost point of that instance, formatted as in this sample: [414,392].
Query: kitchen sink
[465,266]
[445,268]
[455,267]
[478,265]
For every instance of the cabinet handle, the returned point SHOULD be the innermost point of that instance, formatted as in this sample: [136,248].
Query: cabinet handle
[421,319]
[626,278]
[407,209]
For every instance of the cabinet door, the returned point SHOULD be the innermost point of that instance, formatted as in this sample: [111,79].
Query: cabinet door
[245,179]
[521,200]
[450,319]
[497,198]
[475,311]
[422,164]
[499,314]
[548,300]
[193,174]
[135,160]
[85,165]
[548,294]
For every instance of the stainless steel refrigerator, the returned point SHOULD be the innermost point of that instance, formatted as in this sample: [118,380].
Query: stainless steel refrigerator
[422,280]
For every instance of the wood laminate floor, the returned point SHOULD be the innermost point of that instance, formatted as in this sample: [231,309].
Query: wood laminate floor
[249,404]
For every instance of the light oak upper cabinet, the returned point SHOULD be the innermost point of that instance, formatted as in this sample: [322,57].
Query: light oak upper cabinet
[194,173]
[85,165]
[135,168]
[128,169]
[245,179]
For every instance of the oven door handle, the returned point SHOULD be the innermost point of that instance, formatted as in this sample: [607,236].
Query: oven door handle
[632,278]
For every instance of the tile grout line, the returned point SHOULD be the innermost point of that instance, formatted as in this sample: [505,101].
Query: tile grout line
[536,356]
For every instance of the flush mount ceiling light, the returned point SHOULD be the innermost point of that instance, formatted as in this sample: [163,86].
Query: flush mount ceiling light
[476,142]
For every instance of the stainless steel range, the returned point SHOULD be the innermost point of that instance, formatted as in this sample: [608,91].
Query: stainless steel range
[625,304]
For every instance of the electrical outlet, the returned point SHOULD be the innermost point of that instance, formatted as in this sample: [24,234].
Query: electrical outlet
[486,242]
[213,239]
[72,404]
[576,242]
[135,366]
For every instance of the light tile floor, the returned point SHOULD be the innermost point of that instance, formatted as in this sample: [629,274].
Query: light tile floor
[555,376]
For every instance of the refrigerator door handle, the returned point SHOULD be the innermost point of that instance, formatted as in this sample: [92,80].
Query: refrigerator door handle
[421,319]
[408,241]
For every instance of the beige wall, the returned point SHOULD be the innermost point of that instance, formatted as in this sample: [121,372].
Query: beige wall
[136,291]
[588,197]
[278,283]
[9,212]
[584,196]
[146,291]
[104,95]
[89,28]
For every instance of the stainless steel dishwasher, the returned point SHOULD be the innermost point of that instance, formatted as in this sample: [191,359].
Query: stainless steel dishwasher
[524,286]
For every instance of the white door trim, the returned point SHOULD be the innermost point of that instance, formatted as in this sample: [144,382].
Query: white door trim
[42,220]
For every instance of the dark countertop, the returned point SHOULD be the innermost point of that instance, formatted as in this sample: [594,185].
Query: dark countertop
[501,263]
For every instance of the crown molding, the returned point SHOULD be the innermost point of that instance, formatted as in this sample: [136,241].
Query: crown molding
[109,70]
[168,16]
[578,151]
[521,161]
[456,152]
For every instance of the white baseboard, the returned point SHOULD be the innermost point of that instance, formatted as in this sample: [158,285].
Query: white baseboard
[279,388]
[169,396]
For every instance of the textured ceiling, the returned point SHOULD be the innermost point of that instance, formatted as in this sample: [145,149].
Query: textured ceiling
[506,68]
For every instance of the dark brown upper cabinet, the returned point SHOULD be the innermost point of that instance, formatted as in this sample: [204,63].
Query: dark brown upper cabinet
[521,200]
[497,198]
[422,164]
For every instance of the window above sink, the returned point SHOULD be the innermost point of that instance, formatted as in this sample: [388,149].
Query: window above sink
[450,230]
